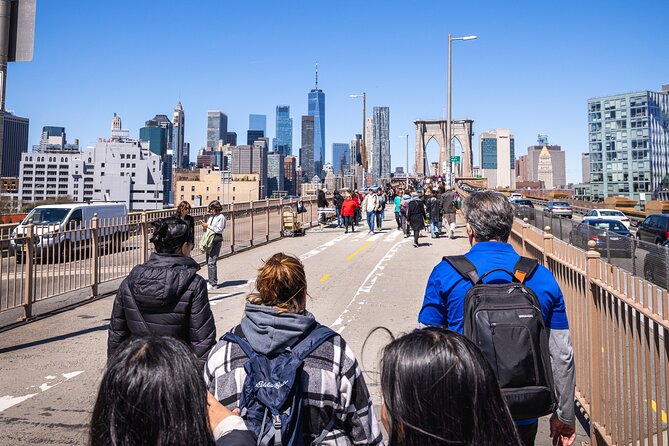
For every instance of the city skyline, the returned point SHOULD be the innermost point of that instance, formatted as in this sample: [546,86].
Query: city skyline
[537,85]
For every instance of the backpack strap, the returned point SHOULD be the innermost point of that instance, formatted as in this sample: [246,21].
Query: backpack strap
[312,341]
[524,267]
[243,343]
[463,266]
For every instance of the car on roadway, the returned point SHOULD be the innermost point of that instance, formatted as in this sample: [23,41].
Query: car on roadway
[558,209]
[523,208]
[656,264]
[654,229]
[611,237]
[596,214]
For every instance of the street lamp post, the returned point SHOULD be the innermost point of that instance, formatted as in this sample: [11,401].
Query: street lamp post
[407,138]
[363,152]
[250,191]
[450,121]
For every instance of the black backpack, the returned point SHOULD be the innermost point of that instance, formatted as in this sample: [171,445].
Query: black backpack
[504,320]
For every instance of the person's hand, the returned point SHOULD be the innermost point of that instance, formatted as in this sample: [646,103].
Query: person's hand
[217,411]
[204,224]
[563,434]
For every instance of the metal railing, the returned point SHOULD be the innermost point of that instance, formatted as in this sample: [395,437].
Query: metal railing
[44,262]
[621,350]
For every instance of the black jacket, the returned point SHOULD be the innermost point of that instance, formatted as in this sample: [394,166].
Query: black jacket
[321,201]
[416,214]
[237,438]
[191,228]
[434,208]
[164,297]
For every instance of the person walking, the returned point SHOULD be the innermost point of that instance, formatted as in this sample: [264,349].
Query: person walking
[416,216]
[370,204]
[165,296]
[338,201]
[397,201]
[434,213]
[216,223]
[404,208]
[336,408]
[183,212]
[448,209]
[489,219]
[348,210]
[381,208]
[321,203]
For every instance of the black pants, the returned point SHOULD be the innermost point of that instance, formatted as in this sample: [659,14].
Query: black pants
[349,221]
[528,433]
[415,236]
[398,219]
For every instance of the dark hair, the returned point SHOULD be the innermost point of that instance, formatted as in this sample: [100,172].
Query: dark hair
[282,283]
[183,205]
[215,206]
[438,389]
[169,234]
[152,393]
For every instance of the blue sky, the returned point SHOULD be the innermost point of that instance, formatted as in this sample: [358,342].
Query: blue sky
[532,69]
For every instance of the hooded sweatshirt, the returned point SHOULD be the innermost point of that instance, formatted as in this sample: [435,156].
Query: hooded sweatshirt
[336,389]
[164,297]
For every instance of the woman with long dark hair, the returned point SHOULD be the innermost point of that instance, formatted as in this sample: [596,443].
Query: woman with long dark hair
[165,296]
[152,393]
[438,389]
[183,212]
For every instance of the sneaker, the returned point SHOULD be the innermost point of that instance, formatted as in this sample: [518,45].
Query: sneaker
[346,232]
[415,245]
[210,287]
[452,234]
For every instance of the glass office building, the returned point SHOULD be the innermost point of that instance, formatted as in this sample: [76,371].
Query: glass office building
[629,145]
[258,122]
[217,128]
[15,142]
[317,110]
[341,157]
[284,131]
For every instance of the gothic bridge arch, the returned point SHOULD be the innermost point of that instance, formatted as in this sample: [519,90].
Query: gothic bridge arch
[436,129]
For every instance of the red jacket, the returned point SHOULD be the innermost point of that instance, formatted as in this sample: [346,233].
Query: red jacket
[348,208]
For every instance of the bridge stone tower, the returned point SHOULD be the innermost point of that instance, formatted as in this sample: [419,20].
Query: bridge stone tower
[436,129]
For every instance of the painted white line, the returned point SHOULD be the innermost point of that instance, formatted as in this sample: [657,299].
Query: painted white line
[375,237]
[323,247]
[8,401]
[392,236]
[357,302]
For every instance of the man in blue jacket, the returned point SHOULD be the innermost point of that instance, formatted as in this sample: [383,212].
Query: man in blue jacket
[489,218]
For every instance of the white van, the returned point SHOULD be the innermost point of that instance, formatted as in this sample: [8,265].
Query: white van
[59,225]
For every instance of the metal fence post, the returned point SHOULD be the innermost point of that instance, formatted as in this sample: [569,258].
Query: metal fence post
[232,228]
[28,284]
[267,221]
[523,233]
[595,339]
[311,212]
[95,254]
[251,229]
[548,244]
[144,230]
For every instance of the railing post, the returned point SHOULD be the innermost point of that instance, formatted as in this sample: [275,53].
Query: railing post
[232,228]
[95,254]
[548,244]
[267,221]
[28,284]
[251,229]
[595,340]
[523,233]
[143,221]
[311,212]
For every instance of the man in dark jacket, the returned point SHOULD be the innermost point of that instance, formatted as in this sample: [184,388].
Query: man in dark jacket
[338,201]
[416,216]
[448,209]
[165,296]
[434,213]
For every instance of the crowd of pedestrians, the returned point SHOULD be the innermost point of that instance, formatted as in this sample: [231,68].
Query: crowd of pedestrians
[279,377]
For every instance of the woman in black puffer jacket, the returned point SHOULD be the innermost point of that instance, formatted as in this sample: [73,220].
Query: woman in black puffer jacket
[165,296]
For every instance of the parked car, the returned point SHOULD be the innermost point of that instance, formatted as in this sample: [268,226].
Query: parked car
[523,208]
[654,229]
[655,264]
[558,209]
[608,214]
[60,228]
[612,237]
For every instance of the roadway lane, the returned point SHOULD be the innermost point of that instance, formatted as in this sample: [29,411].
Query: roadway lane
[50,369]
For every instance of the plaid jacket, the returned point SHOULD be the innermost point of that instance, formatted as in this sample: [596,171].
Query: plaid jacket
[337,390]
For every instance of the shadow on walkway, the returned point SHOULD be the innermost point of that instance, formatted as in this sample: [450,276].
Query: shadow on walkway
[103,327]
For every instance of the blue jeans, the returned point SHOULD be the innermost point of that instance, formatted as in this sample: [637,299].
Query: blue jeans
[434,228]
[371,216]
[340,219]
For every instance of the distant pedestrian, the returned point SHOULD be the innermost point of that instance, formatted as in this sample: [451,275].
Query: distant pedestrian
[381,208]
[434,213]
[448,209]
[216,223]
[348,210]
[322,203]
[338,201]
[183,212]
[416,216]
[404,208]
[397,201]
[165,296]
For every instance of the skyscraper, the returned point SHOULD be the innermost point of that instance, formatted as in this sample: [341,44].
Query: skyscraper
[317,110]
[51,137]
[545,169]
[14,143]
[252,159]
[341,157]
[290,174]
[217,127]
[181,158]
[585,167]
[284,131]
[158,133]
[254,135]
[381,145]
[557,157]
[497,158]
[369,143]
[275,174]
[307,148]
[258,122]
[629,144]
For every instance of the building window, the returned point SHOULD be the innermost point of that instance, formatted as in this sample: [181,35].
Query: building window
[182,189]
[192,188]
